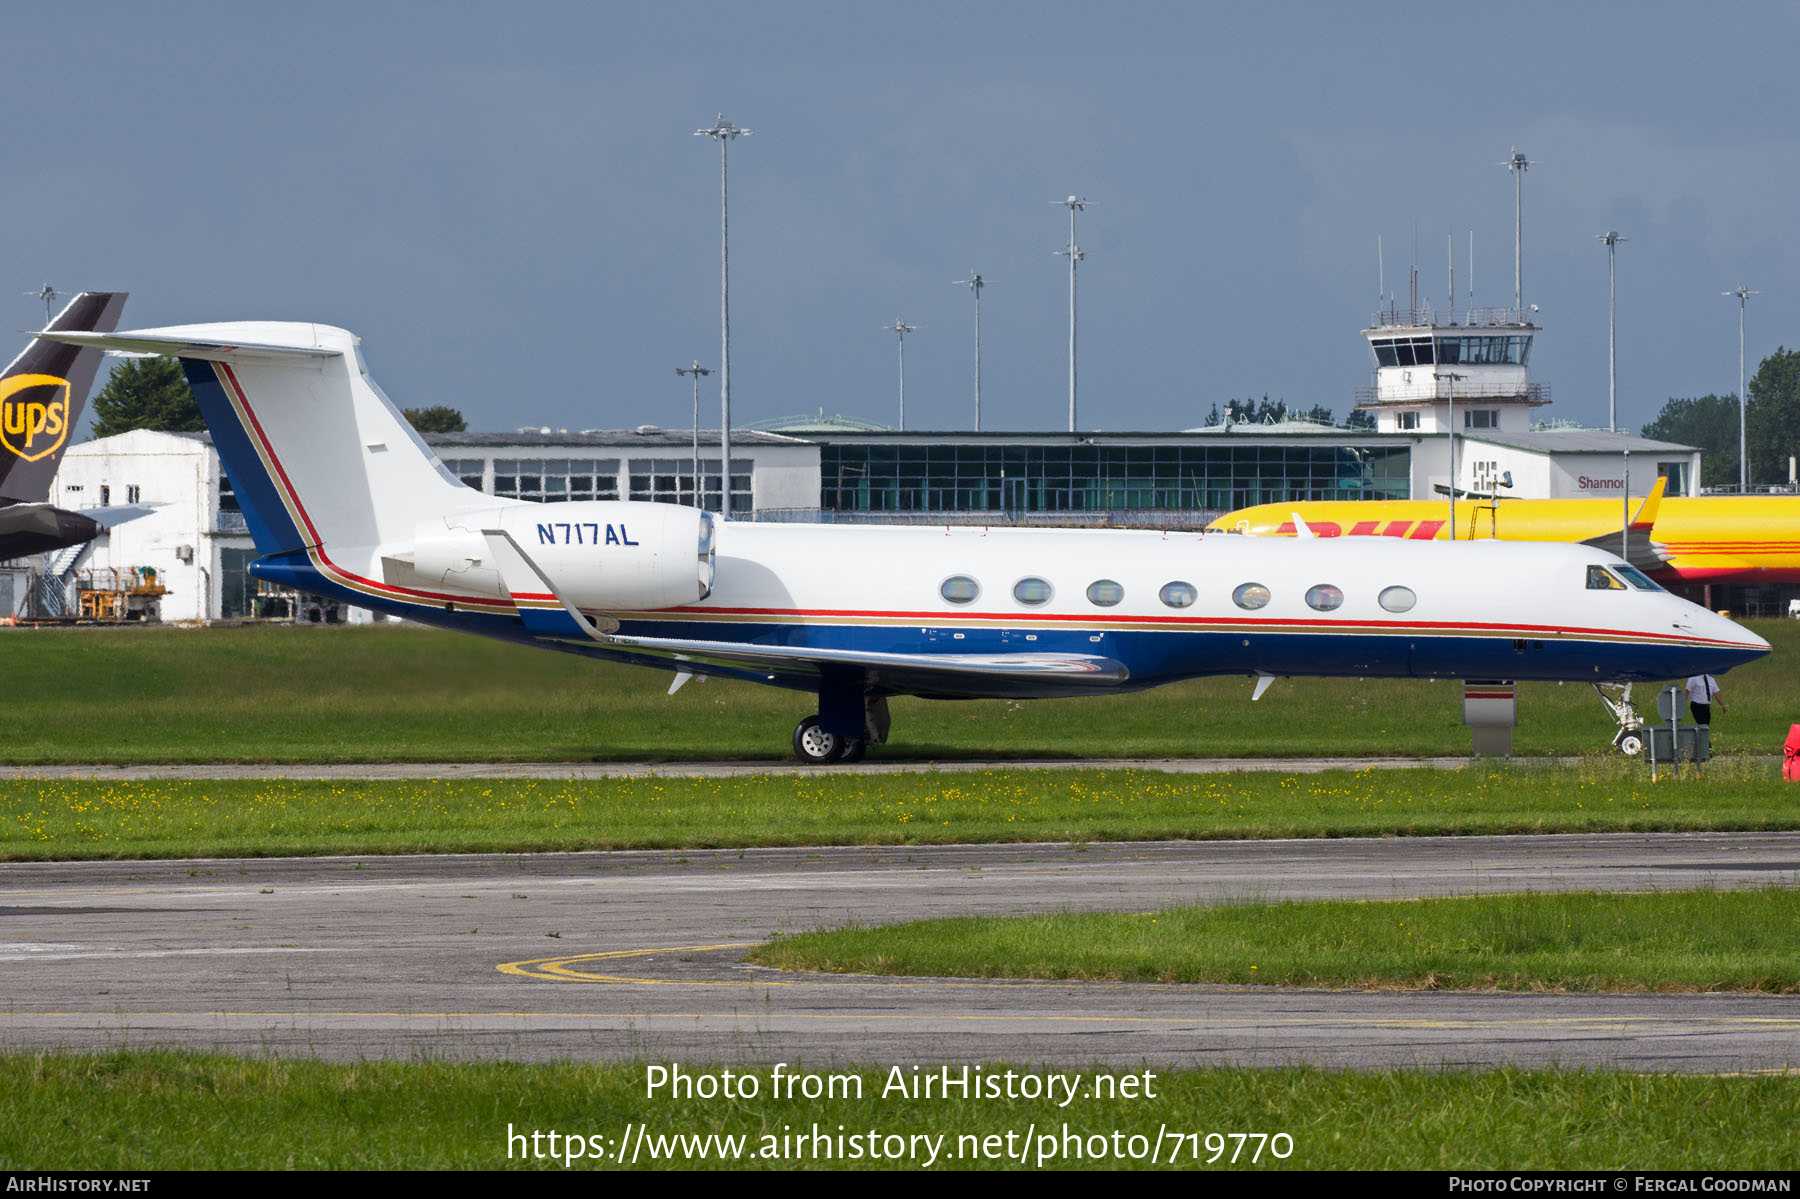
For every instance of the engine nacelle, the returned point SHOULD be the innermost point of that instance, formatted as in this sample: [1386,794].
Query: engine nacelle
[603,555]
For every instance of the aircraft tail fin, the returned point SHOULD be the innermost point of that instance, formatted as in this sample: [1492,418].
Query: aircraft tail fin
[42,393]
[317,454]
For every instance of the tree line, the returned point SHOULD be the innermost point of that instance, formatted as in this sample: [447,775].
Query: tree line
[1771,425]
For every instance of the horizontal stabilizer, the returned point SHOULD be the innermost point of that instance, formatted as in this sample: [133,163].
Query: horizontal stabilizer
[174,343]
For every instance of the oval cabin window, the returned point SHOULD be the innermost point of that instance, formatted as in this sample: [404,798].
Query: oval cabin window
[1398,599]
[1033,591]
[1251,596]
[1324,597]
[1105,593]
[960,589]
[1178,595]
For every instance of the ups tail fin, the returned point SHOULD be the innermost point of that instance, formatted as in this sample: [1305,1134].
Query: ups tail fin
[42,393]
[317,455]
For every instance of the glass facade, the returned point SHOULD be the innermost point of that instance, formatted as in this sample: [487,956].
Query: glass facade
[671,481]
[1012,478]
[551,479]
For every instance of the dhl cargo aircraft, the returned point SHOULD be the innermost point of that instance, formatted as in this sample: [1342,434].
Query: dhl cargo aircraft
[1678,539]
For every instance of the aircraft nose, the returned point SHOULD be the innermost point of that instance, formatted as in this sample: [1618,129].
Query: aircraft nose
[1733,641]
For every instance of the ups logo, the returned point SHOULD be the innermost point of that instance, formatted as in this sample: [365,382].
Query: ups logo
[34,415]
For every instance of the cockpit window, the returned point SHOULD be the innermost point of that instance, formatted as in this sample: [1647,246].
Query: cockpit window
[1601,579]
[1637,578]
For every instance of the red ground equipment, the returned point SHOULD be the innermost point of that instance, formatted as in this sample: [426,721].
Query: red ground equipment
[1790,764]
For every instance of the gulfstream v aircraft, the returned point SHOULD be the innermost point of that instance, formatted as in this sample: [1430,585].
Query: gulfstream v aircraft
[343,498]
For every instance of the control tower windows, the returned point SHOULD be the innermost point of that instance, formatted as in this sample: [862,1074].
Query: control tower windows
[1481,418]
[1402,351]
[1483,351]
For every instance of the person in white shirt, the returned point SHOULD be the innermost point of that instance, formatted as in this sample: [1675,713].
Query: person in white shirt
[1703,693]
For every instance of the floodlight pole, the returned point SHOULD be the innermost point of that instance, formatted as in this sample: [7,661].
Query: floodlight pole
[901,329]
[49,295]
[1074,254]
[975,283]
[1743,294]
[697,371]
[1451,421]
[722,132]
[1518,165]
[1612,240]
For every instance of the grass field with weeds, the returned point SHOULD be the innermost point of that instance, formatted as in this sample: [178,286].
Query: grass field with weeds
[1669,941]
[75,819]
[407,693]
[138,1111]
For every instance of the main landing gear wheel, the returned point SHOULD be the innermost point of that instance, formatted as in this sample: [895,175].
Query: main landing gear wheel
[814,746]
[1630,744]
[853,750]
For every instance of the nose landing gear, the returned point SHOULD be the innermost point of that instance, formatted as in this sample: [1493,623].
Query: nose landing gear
[1629,740]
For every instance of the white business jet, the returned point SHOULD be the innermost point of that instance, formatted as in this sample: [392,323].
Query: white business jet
[344,499]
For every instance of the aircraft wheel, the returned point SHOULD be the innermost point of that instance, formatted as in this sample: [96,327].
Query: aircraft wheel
[853,750]
[1630,744]
[813,745]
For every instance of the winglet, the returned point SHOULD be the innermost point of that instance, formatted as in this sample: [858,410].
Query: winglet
[1646,515]
[1301,528]
[541,606]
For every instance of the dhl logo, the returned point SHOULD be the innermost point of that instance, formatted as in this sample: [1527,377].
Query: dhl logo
[34,425]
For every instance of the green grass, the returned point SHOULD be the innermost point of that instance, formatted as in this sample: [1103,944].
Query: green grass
[140,1111]
[69,819]
[1671,941]
[392,693]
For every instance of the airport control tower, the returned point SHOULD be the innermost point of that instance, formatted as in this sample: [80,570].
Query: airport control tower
[1461,371]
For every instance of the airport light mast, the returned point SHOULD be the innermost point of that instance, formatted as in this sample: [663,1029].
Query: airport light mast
[722,132]
[1450,420]
[697,371]
[901,328]
[1743,294]
[49,295]
[975,283]
[1518,165]
[1611,240]
[1074,254]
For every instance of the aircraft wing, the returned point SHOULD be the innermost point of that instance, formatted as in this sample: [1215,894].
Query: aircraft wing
[545,610]
[1034,667]
[1641,552]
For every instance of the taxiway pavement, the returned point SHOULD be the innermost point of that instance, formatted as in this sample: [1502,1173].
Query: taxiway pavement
[638,955]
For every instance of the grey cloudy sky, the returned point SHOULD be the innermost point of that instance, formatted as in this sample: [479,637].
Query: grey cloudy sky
[508,204]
